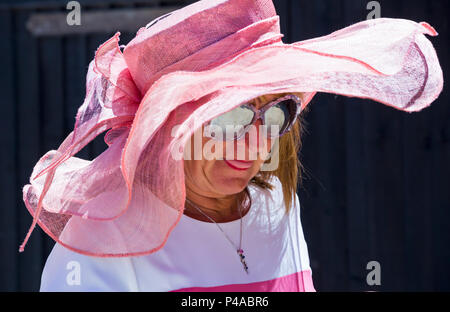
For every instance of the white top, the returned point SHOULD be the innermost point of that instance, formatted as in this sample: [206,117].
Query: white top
[198,257]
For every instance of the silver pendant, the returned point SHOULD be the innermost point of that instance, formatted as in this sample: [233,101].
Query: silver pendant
[241,255]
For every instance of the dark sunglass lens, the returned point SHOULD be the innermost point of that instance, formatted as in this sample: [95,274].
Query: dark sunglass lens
[232,123]
[280,116]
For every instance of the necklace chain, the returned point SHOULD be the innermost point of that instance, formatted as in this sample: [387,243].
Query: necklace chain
[238,249]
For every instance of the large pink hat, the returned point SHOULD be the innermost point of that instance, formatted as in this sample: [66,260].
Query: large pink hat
[184,69]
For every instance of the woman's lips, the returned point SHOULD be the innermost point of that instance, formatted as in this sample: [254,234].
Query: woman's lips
[239,164]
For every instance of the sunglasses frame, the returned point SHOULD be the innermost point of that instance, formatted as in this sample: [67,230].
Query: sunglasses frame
[259,114]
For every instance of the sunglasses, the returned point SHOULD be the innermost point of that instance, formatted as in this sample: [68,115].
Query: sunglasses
[277,117]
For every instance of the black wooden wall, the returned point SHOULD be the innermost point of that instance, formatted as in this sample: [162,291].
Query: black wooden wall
[376,184]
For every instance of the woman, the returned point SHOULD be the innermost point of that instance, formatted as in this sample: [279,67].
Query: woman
[208,235]
[147,214]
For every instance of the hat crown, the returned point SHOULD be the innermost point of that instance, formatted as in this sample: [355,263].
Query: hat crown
[174,37]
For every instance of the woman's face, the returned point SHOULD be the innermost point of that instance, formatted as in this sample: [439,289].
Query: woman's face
[218,178]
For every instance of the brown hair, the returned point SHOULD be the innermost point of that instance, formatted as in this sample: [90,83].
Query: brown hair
[289,170]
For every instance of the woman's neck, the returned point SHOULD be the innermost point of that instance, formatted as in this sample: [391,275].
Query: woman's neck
[224,209]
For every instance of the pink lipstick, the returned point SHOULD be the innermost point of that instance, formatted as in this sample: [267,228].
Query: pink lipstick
[239,164]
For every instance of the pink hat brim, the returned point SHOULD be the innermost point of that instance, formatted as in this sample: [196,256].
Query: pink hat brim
[128,200]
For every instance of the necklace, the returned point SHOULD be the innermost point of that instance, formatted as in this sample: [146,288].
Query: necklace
[239,250]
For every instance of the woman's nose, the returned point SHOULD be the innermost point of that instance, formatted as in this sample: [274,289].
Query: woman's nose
[255,142]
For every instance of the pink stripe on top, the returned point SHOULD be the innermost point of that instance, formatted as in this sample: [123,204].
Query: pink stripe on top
[296,282]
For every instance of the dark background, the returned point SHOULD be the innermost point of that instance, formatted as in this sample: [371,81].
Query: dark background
[376,184]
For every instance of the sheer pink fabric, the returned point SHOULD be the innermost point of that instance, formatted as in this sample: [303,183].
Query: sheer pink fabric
[189,67]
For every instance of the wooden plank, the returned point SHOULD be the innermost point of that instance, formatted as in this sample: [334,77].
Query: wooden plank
[417,172]
[75,71]
[440,180]
[98,145]
[385,189]
[8,162]
[29,148]
[127,36]
[309,195]
[324,155]
[360,225]
[17,5]
[337,170]
[302,14]
[282,8]
[329,137]
[95,21]
[383,186]
[52,90]
[418,145]
[314,207]
[52,104]
[303,26]
[326,202]
[359,218]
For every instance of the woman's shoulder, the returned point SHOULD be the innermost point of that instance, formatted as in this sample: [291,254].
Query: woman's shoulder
[274,181]
[272,196]
[269,204]
[66,270]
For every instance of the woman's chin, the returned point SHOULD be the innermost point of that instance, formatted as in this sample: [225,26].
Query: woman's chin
[227,180]
[229,186]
